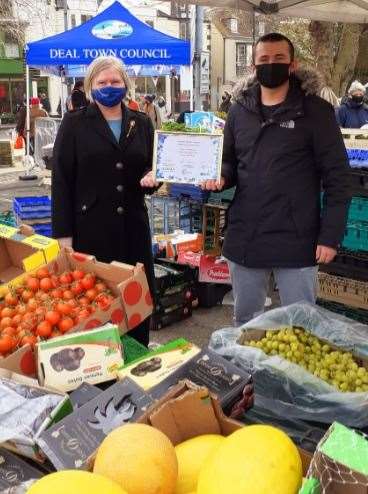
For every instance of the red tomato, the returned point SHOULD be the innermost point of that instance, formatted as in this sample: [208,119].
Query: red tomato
[7,312]
[101,287]
[7,344]
[10,331]
[17,319]
[57,293]
[66,324]
[77,288]
[64,308]
[6,322]
[26,295]
[84,302]
[68,295]
[53,317]
[91,294]
[11,299]
[33,283]
[66,279]
[104,301]
[21,309]
[73,303]
[46,284]
[44,329]
[29,339]
[42,273]
[32,304]
[55,281]
[78,274]
[83,314]
[89,281]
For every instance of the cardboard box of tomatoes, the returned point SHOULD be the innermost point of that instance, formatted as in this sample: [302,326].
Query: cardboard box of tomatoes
[21,251]
[74,292]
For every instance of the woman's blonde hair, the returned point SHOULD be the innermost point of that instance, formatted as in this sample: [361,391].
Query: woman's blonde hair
[100,64]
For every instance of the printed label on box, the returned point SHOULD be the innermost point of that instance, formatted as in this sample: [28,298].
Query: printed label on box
[213,271]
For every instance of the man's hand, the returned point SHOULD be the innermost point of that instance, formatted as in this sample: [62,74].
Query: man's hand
[213,185]
[149,181]
[65,242]
[325,255]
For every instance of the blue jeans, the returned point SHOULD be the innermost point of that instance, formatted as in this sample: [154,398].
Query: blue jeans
[250,288]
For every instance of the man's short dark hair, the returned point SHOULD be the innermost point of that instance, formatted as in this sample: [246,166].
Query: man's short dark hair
[78,84]
[275,38]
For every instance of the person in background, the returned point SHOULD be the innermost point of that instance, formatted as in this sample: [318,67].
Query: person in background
[35,112]
[353,113]
[164,112]
[132,104]
[45,102]
[225,102]
[102,155]
[327,94]
[281,144]
[78,98]
[152,111]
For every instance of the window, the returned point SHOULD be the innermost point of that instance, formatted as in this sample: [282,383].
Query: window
[241,59]
[183,30]
[11,47]
[73,20]
[232,24]
[85,18]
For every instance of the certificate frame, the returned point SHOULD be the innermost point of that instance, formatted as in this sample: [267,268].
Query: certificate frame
[178,173]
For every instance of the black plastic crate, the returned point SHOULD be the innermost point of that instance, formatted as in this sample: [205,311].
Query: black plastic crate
[359,315]
[349,264]
[359,181]
[161,320]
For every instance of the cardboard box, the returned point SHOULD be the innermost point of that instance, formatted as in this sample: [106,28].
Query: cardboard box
[14,471]
[190,258]
[153,368]
[72,359]
[20,252]
[22,361]
[83,394]
[28,446]
[133,301]
[70,443]
[189,411]
[340,463]
[214,270]
[230,384]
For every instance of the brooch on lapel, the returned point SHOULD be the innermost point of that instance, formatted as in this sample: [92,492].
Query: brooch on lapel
[131,127]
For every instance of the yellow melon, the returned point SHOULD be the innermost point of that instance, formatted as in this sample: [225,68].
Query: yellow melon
[140,458]
[191,455]
[75,482]
[256,459]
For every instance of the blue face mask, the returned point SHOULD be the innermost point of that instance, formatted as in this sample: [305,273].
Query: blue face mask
[109,96]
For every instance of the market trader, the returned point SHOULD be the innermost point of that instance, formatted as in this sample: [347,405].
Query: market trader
[101,154]
[281,141]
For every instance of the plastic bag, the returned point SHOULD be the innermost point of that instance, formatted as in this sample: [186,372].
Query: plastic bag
[22,488]
[23,410]
[288,389]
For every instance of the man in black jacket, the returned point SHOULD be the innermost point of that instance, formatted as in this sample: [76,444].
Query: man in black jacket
[281,142]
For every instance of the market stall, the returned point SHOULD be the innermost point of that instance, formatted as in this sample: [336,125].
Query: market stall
[116,32]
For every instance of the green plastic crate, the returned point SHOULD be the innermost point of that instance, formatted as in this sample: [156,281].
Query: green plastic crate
[358,209]
[356,236]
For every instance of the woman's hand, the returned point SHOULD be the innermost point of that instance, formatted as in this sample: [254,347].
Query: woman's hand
[149,181]
[66,242]
[213,185]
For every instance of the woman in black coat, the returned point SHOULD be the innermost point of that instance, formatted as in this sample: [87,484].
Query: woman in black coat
[102,163]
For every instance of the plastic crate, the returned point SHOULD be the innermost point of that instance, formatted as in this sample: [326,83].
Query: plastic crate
[224,197]
[358,210]
[211,294]
[177,314]
[356,236]
[358,158]
[32,207]
[348,264]
[360,315]
[7,218]
[191,191]
[343,290]
[214,222]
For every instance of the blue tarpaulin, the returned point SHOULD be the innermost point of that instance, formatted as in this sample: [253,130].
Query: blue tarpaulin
[115,31]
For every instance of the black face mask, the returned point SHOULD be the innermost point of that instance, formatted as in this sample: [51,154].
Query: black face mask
[272,75]
[357,99]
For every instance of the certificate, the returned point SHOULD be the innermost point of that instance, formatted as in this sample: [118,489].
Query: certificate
[187,158]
